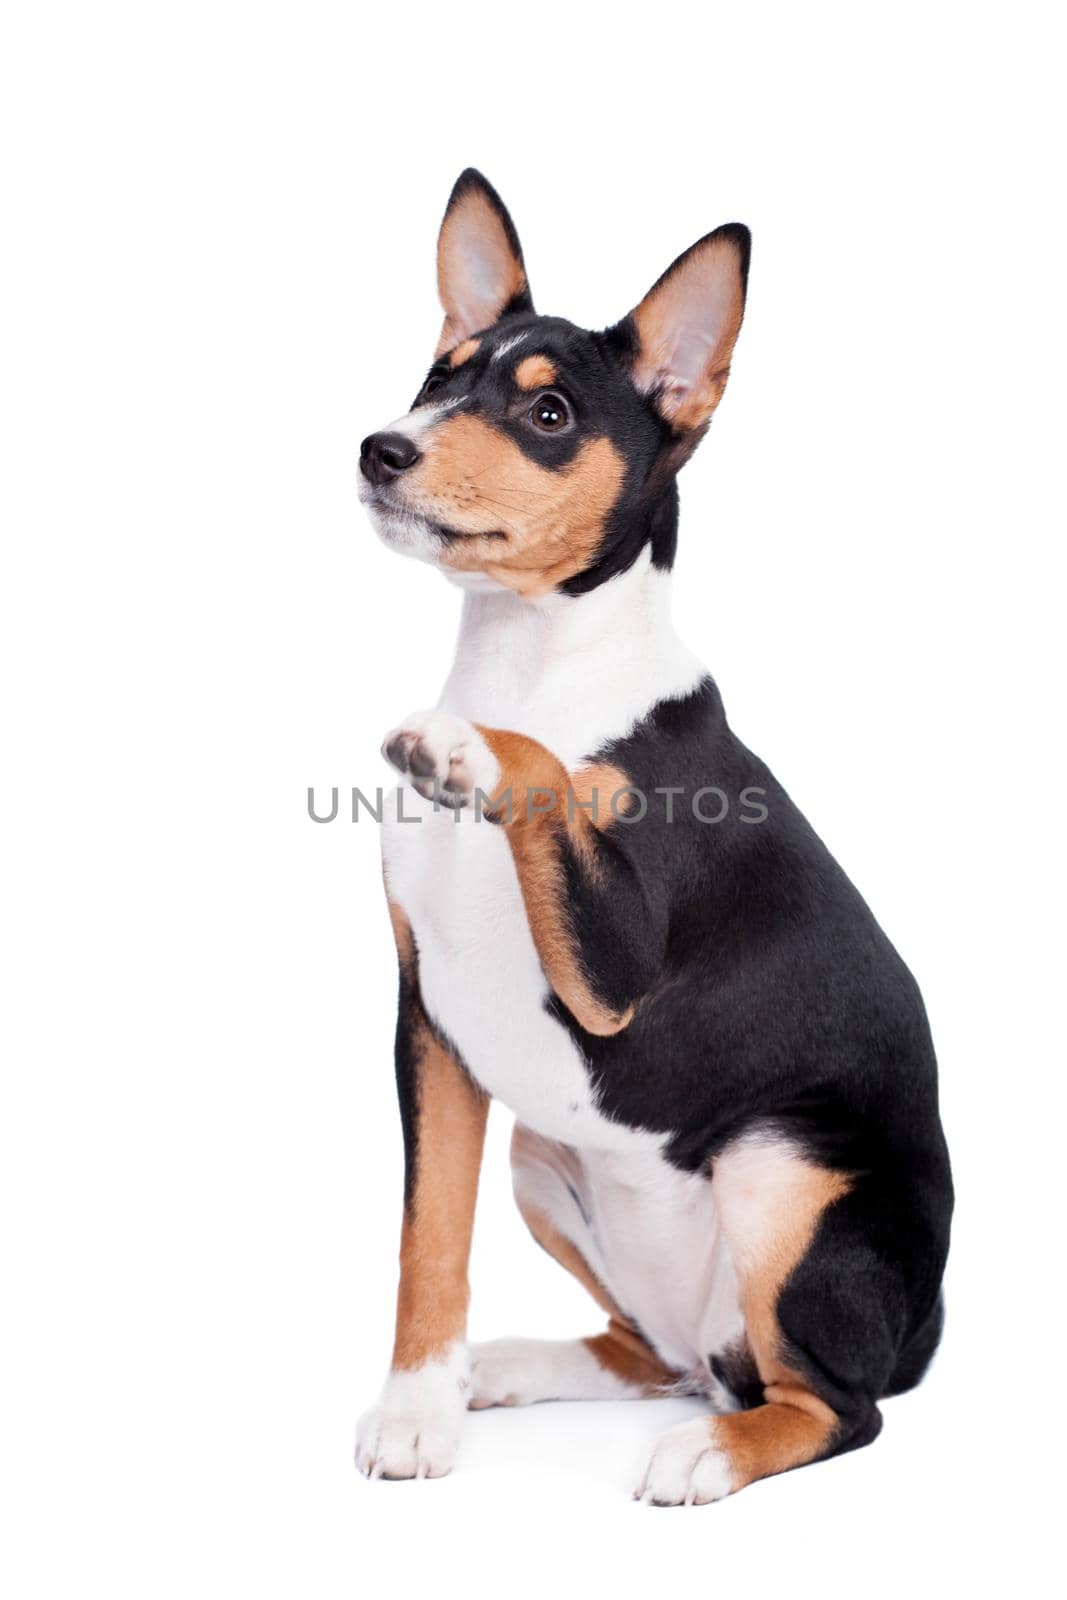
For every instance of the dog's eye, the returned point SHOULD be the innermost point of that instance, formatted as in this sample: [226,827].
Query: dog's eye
[549,413]
[436,378]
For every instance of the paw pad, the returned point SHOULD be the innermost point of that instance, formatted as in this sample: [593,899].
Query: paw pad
[445,759]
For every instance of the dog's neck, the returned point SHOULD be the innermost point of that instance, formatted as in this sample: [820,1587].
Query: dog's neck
[571,671]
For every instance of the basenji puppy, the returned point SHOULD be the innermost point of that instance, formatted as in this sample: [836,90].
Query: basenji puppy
[611,917]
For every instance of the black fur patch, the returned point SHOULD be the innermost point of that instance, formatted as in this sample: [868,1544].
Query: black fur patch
[736,1371]
[768,996]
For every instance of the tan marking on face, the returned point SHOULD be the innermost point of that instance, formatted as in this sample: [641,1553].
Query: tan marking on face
[431,1310]
[542,812]
[771,1199]
[535,372]
[463,352]
[474,479]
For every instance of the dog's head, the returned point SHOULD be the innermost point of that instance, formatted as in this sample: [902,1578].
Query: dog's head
[538,456]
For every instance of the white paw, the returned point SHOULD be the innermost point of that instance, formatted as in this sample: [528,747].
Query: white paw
[505,1372]
[445,758]
[686,1468]
[520,1372]
[414,1430]
[394,1444]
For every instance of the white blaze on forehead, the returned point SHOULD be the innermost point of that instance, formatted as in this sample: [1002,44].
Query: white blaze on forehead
[415,424]
[507,347]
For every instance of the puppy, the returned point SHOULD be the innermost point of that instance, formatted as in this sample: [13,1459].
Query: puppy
[611,917]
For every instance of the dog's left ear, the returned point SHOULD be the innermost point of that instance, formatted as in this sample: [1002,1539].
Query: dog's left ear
[480,270]
[682,335]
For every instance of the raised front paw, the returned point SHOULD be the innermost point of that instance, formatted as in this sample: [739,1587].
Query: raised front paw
[444,758]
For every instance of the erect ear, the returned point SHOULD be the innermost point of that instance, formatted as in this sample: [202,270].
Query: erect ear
[683,332]
[480,271]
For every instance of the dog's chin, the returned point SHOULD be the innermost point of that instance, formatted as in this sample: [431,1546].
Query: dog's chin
[410,533]
[406,532]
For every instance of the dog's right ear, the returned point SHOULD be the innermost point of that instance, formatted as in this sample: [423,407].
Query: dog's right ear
[480,271]
[681,337]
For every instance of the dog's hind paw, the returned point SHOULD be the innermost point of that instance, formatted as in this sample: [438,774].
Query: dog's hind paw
[686,1467]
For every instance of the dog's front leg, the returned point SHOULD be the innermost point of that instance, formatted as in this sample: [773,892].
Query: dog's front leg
[599,927]
[413,1431]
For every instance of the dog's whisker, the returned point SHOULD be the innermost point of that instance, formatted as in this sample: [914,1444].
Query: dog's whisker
[507,488]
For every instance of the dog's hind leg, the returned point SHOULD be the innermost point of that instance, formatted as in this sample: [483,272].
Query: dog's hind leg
[828,1306]
[617,1364]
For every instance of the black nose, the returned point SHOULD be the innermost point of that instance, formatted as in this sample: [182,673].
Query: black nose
[384,456]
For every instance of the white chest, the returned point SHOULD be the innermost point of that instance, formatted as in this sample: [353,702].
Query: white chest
[572,675]
[479,972]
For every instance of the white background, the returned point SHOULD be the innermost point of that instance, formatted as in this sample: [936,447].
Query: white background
[218,276]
